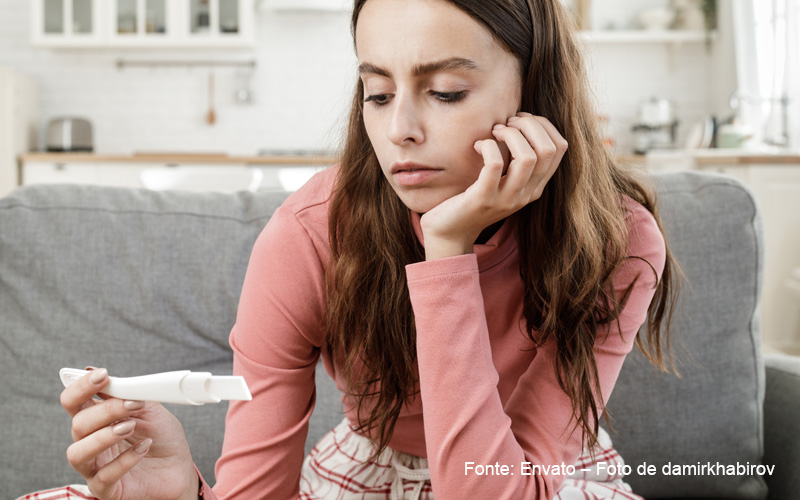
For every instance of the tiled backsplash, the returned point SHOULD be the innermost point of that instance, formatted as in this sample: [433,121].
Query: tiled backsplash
[302,86]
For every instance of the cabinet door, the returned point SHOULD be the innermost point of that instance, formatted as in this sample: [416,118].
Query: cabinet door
[66,23]
[226,178]
[141,22]
[59,173]
[217,23]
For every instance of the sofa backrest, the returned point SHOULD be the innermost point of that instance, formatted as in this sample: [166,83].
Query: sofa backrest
[141,281]
[714,413]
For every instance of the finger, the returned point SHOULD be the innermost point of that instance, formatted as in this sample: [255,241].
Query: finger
[555,135]
[493,165]
[105,480]
[561,147]
[75,397]
[527,125]
[82,454]
[538,137]
[524,158]
[101,415]
[551,149]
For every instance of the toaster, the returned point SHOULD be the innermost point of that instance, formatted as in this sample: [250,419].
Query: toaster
[69,134]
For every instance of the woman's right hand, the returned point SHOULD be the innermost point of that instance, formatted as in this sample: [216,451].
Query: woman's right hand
[127,449]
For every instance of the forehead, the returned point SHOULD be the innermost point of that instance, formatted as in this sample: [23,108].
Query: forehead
[403,33]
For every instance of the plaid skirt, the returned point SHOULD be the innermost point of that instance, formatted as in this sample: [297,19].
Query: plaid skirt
[337,469]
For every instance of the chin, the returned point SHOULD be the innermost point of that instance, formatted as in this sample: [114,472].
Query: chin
[421,202]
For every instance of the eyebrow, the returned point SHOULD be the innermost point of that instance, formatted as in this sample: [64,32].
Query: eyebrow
[425,68]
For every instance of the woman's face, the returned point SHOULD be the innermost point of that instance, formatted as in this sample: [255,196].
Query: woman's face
[435,82]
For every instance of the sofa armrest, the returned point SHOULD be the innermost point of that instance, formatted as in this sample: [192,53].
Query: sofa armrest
[782,425]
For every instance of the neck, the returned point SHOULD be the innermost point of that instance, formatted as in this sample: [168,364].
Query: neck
[488,232]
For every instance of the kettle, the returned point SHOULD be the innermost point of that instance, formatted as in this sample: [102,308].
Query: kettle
[657,125]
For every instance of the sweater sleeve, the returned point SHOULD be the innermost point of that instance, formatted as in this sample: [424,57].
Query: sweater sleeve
[275,344]
[465,420]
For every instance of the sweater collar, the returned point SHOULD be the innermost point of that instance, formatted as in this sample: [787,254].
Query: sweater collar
[489,254]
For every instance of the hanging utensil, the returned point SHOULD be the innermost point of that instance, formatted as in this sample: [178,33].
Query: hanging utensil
[243,94]
[211,116]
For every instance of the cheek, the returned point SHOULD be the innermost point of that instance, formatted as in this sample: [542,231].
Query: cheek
[372,126]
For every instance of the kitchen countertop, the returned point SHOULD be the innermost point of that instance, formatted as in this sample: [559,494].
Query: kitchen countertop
[216,159]
[728,157]
[700,158]
[708,157]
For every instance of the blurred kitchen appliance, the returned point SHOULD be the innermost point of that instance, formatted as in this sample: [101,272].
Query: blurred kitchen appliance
[656,127]
[68,134]
[19,123]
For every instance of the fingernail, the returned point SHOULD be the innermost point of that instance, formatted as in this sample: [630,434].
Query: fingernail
[98,376]
[523,113]
[498,126]
[133,405]
[513,118]
[142,447]
[124,428]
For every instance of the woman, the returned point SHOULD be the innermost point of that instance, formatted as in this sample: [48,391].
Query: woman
[462,266]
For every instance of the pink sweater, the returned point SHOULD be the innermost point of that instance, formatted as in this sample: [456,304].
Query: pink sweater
[486,397]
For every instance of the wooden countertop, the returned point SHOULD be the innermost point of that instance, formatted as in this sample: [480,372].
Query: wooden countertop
[727,158]
[709,157]
[700,158]
[178,158]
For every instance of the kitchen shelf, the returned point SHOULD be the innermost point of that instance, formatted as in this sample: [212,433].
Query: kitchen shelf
[305,5]
[645,36]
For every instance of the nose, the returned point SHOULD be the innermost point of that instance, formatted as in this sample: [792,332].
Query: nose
[406,124]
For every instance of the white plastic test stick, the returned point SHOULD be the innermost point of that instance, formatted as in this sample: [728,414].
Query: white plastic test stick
[181,387]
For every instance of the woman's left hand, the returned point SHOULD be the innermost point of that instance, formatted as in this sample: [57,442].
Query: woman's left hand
[536,148]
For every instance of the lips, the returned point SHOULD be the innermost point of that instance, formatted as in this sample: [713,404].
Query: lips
[411,175]
[408,166]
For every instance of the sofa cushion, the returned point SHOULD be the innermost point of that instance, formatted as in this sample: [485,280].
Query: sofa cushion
[134,280]
[714,412]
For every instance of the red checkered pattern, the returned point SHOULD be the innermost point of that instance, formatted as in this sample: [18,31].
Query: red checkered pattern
[76,491]
[337,469]
[593,481]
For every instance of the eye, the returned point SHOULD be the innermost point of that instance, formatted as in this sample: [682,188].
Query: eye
[448,97]
[378,100]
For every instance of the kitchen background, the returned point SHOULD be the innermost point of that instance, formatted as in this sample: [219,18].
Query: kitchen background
[304,75]
[283,83]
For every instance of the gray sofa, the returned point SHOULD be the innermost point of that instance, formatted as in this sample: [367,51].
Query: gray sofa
[141,281]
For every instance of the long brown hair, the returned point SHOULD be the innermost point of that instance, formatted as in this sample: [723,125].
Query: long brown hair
[567,286]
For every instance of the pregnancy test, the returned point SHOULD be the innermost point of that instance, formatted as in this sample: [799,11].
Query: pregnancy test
[181,387]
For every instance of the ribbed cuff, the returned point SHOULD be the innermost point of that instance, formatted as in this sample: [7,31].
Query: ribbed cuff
[458,264]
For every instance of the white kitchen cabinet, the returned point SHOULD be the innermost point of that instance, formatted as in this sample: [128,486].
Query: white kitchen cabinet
[68,23]
[776,188]
[141,22]
[163,175]
[60,173]
[219,22]
[144,23]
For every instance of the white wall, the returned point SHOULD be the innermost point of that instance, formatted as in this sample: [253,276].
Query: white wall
[303,82]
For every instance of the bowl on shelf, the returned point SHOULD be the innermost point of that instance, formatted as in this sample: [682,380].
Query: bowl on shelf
[656,18]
